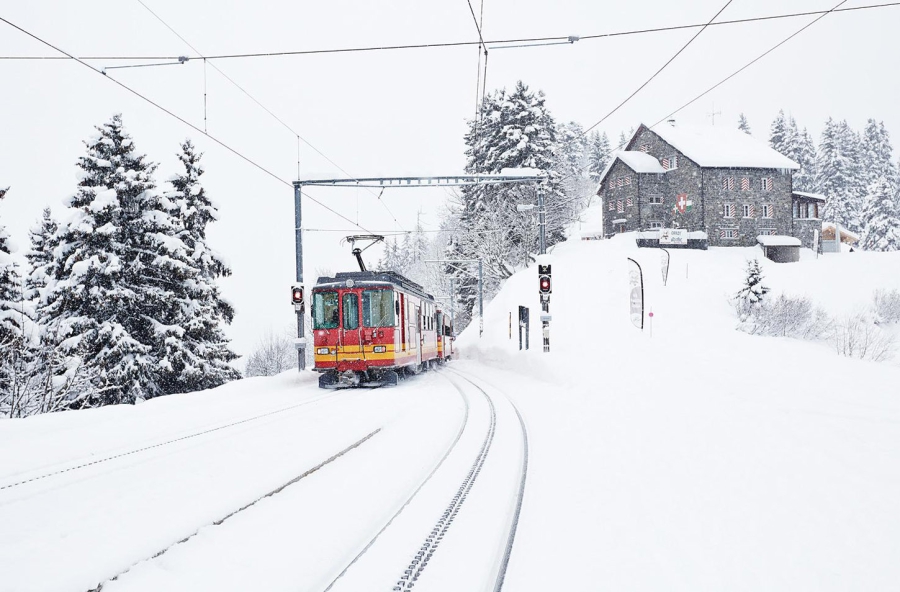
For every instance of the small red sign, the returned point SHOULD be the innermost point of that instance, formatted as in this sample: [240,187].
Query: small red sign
[681,202]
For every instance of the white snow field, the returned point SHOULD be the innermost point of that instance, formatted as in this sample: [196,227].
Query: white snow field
[700,458]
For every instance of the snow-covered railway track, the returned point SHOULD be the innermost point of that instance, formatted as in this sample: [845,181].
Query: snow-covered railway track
[90,462]
[520,495]
[492,450]
[431,543]
[246,506]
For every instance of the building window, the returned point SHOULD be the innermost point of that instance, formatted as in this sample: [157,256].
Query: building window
[612,183]
[619,182]
[814,210]
[656,199]
[796,209]
[620,207]
[656,225]
[728,184]
[645,147]
[629,201]
[766,184]
[745,184]
[728,233]
[745,211]
[670,162]
[628,180]
[768,231]
[728,210]
[611,205]
[767,211]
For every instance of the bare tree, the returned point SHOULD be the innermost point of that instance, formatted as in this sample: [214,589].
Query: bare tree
[274,353]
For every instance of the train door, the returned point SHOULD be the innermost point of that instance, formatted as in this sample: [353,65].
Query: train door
[350,331]
[419,338]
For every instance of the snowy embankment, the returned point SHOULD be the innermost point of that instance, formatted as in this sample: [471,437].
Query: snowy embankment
[701,458]
[171,469]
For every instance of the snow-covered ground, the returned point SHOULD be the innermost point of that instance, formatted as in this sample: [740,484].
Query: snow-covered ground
[700,458]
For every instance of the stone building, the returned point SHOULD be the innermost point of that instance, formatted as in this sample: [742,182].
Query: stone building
[701,178]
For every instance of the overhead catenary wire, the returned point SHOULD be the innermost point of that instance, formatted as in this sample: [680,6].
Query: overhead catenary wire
[261,105]
[753,61]
[657,73]
[146,99]
[563,39]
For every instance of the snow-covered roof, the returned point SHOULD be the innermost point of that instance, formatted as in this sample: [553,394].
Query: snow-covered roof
[720,146]
[654,234]
[639,162]
[619,221]
[815,196]
[778,240]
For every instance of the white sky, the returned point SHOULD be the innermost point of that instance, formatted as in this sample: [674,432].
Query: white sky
[392,112]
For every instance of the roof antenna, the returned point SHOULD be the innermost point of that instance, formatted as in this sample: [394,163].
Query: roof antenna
[357,252]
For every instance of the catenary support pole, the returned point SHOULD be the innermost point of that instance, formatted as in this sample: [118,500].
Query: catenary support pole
[542,218]
[480,298]
[298,237]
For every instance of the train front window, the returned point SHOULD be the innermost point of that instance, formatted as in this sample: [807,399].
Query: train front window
[325,310]
[351,311]
[378,308]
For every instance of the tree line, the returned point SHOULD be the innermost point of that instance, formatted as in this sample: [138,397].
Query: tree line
[118,301]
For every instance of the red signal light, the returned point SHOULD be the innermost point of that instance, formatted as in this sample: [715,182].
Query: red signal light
[297,295]
[545,284]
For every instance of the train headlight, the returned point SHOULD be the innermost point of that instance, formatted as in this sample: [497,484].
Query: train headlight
[379,349]
[322,351]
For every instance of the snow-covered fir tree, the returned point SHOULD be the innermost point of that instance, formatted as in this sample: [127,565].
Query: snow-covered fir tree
[750,297]
[744,125]
[599,154]
[778,133]
[806,179]
[110,280]
[192,347]
[573,165]
[14,350]
[882,219]
[40,255]
[840,174]
[515,130]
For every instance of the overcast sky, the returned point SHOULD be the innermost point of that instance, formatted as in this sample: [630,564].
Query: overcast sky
[392,112]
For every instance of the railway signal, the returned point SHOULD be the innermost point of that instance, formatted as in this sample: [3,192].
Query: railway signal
[544,278]
[297,297]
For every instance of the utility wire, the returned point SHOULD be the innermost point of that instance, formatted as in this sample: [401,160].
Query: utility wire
[753,61]
[655,74]
[263,107]
[557,38]
[179,118]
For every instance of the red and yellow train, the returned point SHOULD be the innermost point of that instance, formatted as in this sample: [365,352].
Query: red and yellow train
[370,326]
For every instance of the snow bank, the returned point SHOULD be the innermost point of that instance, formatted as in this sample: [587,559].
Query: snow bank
[700,458]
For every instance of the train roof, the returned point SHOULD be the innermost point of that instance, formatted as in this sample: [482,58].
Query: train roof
[368,277]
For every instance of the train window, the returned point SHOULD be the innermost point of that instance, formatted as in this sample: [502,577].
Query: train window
[325,310]
[378,308]
[351,311]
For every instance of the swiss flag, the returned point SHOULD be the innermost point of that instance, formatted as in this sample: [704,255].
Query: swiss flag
[681,202]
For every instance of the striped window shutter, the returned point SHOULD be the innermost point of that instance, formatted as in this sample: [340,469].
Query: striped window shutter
[619,206]
[645,148]
[725,184]
[665,163]
[752,211]
[619,182]
[770,184]
[628,180]
[629,201]
[745,184]
[612,184]
[721,233]
[612,205]
[731,183]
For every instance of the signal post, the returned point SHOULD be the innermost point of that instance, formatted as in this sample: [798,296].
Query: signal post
[545,288]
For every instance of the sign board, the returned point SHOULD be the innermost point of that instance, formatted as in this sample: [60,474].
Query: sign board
[636,296]
[543,270]
[665,266]
[673,236]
